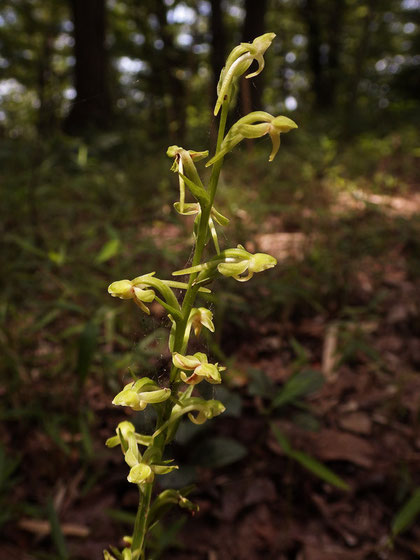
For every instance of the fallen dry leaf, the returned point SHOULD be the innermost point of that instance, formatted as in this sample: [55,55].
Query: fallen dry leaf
[357,422]
[43,528]
[332,445]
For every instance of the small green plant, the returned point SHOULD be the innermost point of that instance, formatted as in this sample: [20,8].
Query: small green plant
[144,454]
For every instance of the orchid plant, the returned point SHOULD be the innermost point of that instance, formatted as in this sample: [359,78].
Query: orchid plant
[144,453]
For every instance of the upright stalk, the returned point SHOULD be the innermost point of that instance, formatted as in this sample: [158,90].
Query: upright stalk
[140,525]
[191,293]
[144,453]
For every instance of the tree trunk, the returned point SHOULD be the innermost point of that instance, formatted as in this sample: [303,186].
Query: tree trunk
[359,62]
[92,107]
[324,45]
[253,26]
[46,121]
[218,45]
[311,16]
[175,94]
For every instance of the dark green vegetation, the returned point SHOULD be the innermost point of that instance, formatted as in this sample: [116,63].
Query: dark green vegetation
[339,208]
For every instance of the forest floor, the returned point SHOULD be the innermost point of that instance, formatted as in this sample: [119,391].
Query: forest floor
[344,310]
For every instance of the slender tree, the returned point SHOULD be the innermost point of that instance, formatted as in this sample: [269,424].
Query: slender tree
[92,107]
[253,26]
[218,44]
[324,30]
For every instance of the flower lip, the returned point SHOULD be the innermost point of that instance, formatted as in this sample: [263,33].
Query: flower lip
[122,289]
[261,261]
[283,124]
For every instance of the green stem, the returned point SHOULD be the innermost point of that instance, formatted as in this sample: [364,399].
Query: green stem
[140,525]
[191,292]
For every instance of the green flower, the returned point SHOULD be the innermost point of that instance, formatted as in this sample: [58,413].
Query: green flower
[248,266]
[138,394]
[185,167]
[200,368]
[127,289]
[255,125]
[237,263]
[238,62]
[124,430]
[201,317]
[141,470]
[206,411]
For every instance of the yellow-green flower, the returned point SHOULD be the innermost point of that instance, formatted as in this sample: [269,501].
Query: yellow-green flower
[238,62]
[185,167]
[199,366]
[126,289]
[140,469]
[124,430]
[248,266]
[138,394]
[255,125]
[201,317]
[237,263]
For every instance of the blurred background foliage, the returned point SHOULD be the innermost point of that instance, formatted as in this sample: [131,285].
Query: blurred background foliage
[91,95]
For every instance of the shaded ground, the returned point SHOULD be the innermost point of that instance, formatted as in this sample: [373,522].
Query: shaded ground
[344,303]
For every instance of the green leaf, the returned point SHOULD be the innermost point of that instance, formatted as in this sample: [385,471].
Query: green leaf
[164,537]
[261,385]
[121,516]
[218,452]
[26,245]
[87,346]
[109,250]
[300,384]
[56,532]
[86,438]
[52,428]
[308,462]
[407,514]
[45,320]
